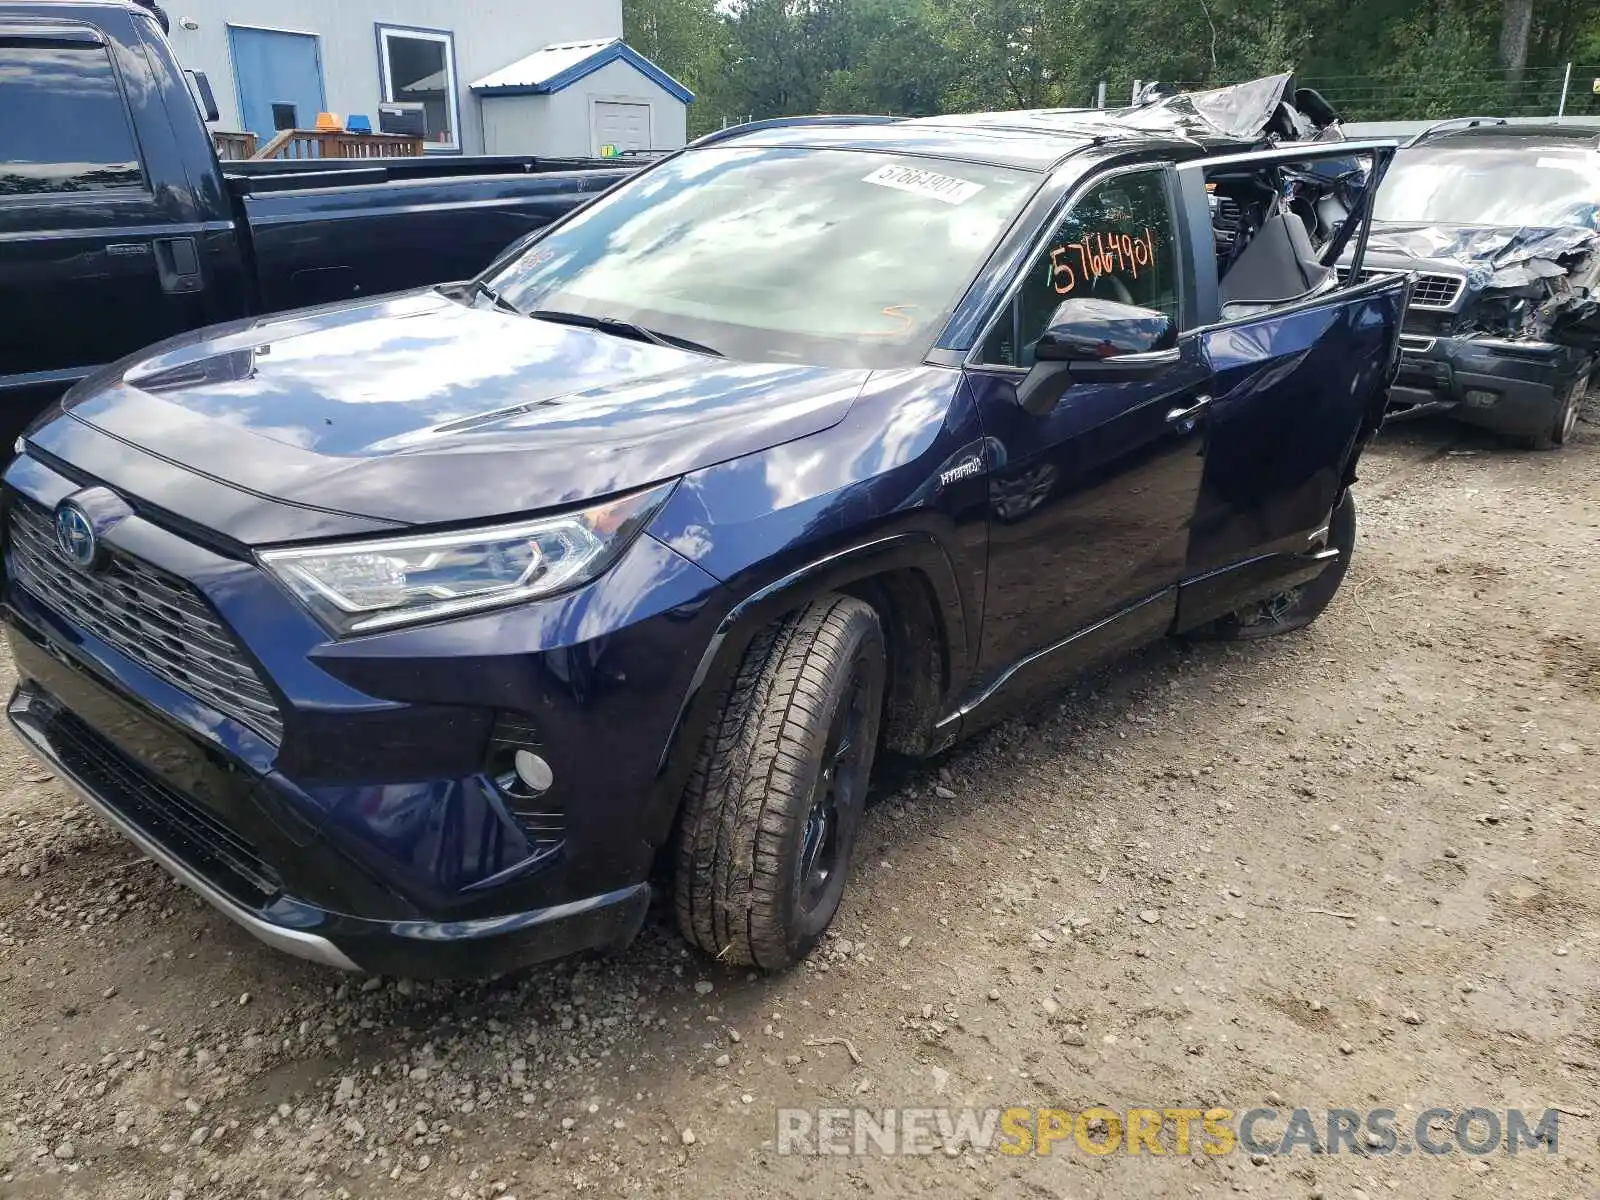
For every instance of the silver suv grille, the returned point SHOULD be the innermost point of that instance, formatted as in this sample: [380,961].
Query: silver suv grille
[156,620]
[1433,292]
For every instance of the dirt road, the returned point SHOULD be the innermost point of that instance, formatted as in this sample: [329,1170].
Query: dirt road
[1353,868]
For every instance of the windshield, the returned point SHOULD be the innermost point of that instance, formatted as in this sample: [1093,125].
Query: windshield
[834,257]
[1460,185]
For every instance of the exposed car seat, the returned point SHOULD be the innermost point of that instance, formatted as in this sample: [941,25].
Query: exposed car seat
[1279,266]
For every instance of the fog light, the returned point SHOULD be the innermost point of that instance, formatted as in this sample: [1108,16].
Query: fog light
[1478,398]
[534,772]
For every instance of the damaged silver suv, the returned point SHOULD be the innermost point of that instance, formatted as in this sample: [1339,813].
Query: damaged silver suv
[1501,224]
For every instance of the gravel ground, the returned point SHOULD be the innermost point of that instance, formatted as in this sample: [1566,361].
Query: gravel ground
[1348,868]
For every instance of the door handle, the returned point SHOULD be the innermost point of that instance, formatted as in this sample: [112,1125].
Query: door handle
[1184,419]
[178,263]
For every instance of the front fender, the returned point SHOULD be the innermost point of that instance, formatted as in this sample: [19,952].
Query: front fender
[913,550]
[898,488]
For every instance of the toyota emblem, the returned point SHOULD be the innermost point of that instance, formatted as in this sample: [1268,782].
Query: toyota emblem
[75,536]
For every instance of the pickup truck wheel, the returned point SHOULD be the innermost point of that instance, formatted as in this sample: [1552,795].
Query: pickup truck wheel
[1563,421]
[1299,606]
[776,795]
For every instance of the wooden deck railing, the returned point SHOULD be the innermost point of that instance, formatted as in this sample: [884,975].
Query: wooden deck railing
[233,147]
[335,143]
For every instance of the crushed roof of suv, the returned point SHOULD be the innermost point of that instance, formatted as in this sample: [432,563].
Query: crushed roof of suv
[1234,117]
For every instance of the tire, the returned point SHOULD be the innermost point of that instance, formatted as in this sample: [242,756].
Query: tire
[1562,421]
[774,802]
[1298,607]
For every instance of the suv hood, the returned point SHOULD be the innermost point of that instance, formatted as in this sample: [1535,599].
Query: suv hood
[1520,282]
[1492,257]
[419,410]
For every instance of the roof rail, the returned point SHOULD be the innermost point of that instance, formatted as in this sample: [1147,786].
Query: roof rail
[789,122]
[1453,123]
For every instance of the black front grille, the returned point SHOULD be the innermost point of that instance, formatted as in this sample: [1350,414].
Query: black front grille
[181,824]
[155,619]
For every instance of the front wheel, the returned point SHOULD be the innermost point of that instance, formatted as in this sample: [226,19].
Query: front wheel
[1564,419]
[1299,606]
[775,800]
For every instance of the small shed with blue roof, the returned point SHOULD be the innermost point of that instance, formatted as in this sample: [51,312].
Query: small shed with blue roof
[580,99]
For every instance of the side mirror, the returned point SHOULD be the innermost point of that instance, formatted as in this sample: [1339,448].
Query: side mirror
[205,96]
[1099,340]
[1084,330]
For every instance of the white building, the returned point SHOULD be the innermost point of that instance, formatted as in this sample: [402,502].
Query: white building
[579,98]
[276,64]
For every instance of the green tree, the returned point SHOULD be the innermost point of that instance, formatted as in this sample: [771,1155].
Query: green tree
[1516,25]
[1448,32]
[1372,58]
[895,61]
[687,39]
[1008,53]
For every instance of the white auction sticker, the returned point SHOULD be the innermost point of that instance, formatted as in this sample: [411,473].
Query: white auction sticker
[944,188]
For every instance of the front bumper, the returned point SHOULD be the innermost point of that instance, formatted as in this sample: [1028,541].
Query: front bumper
[1510,387]
[376,835]
[156,819]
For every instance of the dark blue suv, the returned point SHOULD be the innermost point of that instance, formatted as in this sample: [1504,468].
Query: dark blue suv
[427,635]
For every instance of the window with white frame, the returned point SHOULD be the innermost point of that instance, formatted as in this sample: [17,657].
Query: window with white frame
[418,66]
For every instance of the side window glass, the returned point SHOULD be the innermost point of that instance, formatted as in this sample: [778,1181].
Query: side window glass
[63,123]
[1115,243]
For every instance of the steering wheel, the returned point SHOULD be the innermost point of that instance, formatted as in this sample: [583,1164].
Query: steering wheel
[1114,289]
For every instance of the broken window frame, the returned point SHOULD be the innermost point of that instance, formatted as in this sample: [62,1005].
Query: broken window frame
[1352,237]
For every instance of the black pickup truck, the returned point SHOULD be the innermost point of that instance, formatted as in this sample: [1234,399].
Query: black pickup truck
[119,227]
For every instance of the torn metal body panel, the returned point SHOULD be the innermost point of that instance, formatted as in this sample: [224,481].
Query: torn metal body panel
[1257,115]
[1269,110]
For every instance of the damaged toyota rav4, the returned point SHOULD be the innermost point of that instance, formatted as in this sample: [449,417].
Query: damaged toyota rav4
[1501,224]
[430,635]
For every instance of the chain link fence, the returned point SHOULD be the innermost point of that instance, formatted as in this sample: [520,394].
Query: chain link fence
[1569,89]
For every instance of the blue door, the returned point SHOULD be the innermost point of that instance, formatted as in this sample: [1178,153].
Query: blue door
[279,77]
[1110,462]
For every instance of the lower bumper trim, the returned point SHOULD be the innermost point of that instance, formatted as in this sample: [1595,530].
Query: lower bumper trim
[290,941]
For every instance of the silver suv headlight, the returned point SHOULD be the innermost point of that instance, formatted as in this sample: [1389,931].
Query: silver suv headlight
[356,587]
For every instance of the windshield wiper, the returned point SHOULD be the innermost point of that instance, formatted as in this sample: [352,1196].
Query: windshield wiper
[483,289]
[621,328]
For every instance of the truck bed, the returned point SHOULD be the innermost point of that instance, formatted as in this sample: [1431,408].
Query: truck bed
[320,235]
[436,166]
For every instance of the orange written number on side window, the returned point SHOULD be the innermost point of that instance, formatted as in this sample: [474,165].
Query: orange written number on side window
[1100,254]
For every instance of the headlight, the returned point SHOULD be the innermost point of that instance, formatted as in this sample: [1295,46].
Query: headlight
[359,586]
